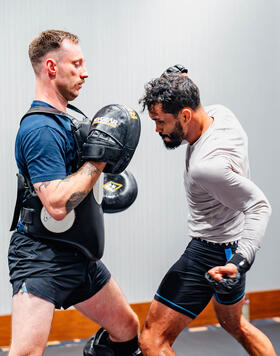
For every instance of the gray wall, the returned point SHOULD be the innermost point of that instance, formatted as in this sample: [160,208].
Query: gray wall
[232,50]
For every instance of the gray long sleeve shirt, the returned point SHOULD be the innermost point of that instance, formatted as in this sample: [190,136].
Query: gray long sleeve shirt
[224,204]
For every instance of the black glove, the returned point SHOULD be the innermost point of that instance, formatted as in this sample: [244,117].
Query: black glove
[177,68]
[224,286]
[227,284]
[113,137]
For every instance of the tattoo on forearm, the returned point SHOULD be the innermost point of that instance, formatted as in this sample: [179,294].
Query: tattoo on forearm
[89,169]
[74,201]
[43,184]
[67,179]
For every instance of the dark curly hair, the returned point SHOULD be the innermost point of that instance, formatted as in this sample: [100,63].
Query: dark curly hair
[174,91]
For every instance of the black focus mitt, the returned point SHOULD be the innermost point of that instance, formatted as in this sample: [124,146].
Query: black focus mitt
[119,192]
[113,137]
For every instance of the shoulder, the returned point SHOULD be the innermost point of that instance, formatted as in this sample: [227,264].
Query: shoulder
[39,120]
[227,130]
[34,123]
[215,108]
[42,119]
[223,117]
[38,130]
[213,170]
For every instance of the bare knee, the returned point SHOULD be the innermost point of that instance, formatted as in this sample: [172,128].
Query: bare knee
[32,346]
[246,331]
[26,350]
[148,342]
[144,340]
[240,330]
[152,343]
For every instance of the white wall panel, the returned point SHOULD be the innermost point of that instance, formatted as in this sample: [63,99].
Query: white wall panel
[232,50]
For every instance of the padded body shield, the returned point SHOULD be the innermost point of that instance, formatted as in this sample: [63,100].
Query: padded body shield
[113,137]
[83,227]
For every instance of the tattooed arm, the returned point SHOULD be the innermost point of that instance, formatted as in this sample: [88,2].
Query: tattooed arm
[60,196]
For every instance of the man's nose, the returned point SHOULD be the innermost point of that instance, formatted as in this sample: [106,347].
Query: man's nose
[158,128]
[84,73]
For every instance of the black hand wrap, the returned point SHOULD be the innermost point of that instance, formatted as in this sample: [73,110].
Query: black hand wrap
[240,262]
[113,137]
[227,284]
[177,68]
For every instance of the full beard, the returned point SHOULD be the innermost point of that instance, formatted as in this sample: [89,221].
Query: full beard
[175,138]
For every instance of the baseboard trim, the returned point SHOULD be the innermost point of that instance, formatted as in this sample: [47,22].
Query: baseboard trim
[70,324]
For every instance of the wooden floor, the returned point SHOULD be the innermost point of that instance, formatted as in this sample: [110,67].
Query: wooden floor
[198,341]
[70,324]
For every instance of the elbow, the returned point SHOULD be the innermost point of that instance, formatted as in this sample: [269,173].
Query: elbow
[265,207]
[269,209]
[56,209]
[59,216]
[57,213]
[262,207]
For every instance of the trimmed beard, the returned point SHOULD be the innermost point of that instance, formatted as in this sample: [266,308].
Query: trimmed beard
[176,137]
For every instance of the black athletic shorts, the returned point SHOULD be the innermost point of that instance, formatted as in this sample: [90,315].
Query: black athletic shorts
[184,287]
[54,271]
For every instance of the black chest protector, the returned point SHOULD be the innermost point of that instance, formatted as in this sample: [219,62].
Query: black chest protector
[83,227]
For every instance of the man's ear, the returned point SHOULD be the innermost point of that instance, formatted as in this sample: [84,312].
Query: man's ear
[51,66]
[186,114]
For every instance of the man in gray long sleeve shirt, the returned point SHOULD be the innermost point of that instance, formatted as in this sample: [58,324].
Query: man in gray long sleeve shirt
[225,205]
[228,215]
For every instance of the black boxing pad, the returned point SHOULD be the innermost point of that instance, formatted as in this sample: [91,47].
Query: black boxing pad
[113,137]
[119,192]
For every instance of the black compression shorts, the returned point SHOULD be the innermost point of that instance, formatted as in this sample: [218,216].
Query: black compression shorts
[184,287]
[53,271]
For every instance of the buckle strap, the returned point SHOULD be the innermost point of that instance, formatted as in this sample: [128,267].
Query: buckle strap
[20,196]
[26,215]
